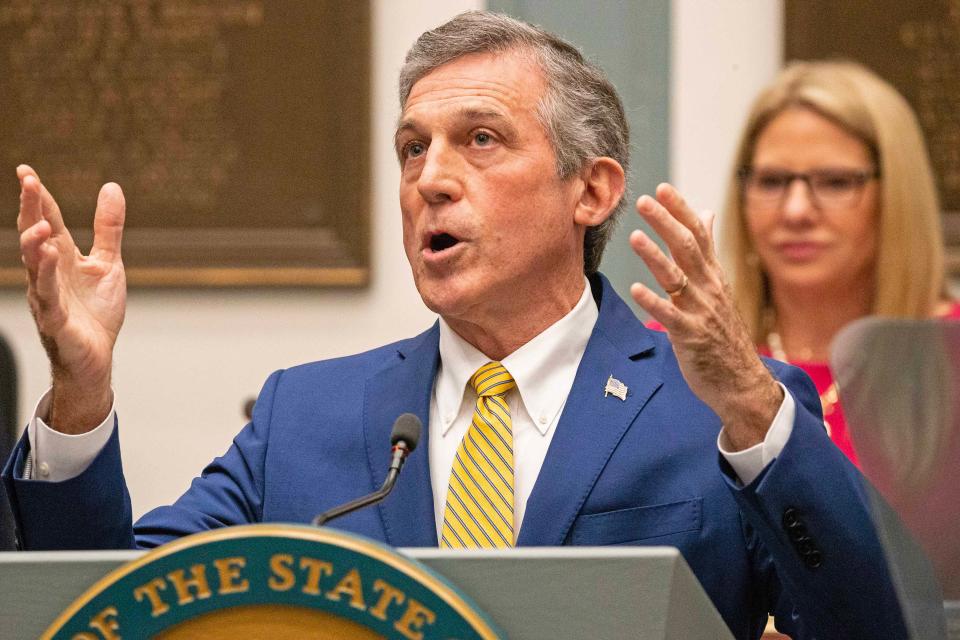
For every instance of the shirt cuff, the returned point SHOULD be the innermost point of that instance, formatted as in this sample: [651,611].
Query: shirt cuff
[749,463]
[55,456]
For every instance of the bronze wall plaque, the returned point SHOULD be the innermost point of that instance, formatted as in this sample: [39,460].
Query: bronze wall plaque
[914,45]
[238,129]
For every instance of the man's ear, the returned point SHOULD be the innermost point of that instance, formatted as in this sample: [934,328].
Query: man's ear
[603,186]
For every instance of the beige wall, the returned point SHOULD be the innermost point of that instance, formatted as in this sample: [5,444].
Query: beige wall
[187,359]
[724,52]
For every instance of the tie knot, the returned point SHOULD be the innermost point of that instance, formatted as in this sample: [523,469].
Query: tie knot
[492,379]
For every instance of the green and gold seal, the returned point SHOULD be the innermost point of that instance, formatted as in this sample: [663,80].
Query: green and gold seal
[272,581]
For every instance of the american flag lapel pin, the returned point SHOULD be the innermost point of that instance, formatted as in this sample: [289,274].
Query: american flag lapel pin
[616,388]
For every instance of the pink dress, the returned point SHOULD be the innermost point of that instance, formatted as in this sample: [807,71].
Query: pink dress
[822,378]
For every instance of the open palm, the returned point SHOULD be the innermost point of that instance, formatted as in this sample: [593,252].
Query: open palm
[78,301]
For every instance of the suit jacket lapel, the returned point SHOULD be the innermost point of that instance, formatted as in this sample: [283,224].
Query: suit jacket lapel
[592,424]
[404,387]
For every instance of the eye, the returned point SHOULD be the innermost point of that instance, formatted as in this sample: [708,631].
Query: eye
[413,149]
[836,182]
[770,181]
[483,139]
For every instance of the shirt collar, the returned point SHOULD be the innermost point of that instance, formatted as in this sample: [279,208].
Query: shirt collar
[544,368]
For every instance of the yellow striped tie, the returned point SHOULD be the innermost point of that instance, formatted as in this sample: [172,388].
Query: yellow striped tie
[479,510]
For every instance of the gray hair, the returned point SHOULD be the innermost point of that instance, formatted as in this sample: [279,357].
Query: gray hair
[580,110]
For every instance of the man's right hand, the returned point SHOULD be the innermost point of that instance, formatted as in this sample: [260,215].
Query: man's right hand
[77,301]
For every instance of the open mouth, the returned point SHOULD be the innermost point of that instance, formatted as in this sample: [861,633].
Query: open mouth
[441,242]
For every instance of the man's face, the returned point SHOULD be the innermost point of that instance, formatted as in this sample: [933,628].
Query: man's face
[488,226]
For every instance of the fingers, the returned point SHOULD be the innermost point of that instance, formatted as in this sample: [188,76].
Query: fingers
[707,221]
[36,202]
[690,273]
[46,287]
[689,241]
[108,221]
[24,170]
[41,258]
[668,195]
[659,309]
[671,199]
[667,274]
[31,211]
[31,242]
[683,245]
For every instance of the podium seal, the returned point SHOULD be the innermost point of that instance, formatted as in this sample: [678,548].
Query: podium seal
[273,581]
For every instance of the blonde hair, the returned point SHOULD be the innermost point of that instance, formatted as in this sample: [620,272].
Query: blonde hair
[909,278]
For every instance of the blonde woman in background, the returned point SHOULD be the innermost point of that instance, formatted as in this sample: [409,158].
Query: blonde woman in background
[831,215]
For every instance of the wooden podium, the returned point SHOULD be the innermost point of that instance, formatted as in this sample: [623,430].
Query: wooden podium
[636,593]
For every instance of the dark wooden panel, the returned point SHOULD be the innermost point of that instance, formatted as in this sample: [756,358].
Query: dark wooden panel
[916,46]
[239,130]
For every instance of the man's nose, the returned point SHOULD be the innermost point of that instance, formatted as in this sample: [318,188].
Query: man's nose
[798,201]
[440,178]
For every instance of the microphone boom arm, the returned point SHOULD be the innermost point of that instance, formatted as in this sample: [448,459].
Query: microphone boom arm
[400,451]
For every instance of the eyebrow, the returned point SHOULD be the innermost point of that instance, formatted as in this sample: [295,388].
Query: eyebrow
[402,127]
[506,127]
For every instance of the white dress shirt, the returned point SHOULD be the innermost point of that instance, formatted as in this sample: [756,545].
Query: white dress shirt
[544,370]
[56,456]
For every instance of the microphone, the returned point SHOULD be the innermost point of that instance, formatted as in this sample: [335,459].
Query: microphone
[403,438]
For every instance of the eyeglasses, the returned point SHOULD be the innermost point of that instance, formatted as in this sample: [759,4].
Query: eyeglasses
[829,188]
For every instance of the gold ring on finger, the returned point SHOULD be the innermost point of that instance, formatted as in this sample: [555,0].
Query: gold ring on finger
[676,293]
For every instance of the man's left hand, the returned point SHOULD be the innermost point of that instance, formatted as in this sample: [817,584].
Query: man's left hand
[711,342]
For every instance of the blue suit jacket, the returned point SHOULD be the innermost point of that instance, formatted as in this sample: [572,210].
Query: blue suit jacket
[798,541]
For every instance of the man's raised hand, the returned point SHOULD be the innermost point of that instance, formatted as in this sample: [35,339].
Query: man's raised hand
[77,301]
[713,347]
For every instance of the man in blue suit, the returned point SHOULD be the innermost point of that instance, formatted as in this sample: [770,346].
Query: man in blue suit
[513,152]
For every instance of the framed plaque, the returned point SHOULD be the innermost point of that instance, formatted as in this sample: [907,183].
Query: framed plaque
[913,45]
[238,130]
